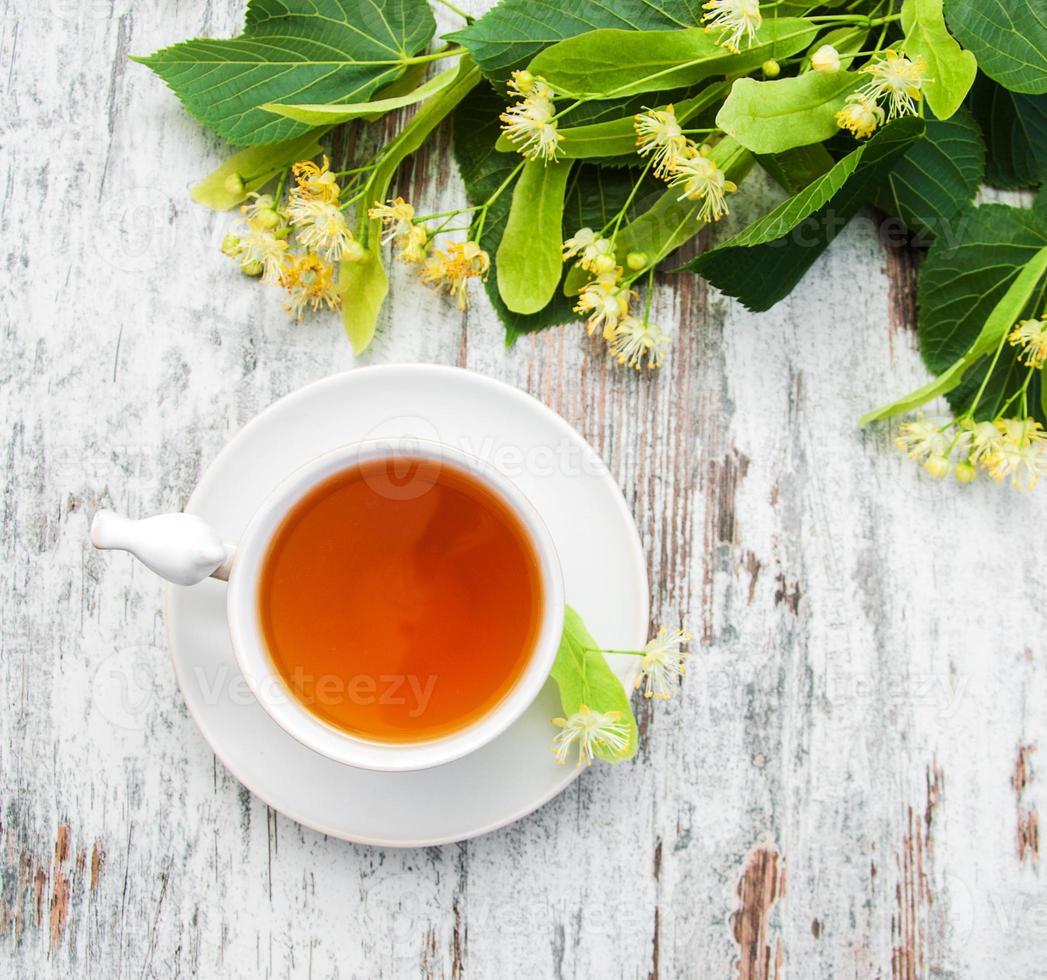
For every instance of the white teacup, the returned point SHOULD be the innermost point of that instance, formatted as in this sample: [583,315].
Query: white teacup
[185,550]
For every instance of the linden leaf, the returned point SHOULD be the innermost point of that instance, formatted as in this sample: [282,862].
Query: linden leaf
[1008,37]
[309,51]
[583,676]
[950,69]
[761,264]
[1015,128]
[608,64]
[938,177]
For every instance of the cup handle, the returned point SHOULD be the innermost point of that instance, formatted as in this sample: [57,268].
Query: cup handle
[181,548]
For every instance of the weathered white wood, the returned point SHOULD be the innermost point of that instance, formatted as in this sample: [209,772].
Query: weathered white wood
[850,737]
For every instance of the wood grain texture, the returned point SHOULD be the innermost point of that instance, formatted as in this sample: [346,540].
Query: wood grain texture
[871,664]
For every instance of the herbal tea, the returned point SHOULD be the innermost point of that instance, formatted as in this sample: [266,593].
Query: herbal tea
[400,600]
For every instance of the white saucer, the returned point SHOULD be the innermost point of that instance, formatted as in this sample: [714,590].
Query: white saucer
[604,573]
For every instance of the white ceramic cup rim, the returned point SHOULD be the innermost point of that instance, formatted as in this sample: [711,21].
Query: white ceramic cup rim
[308,728]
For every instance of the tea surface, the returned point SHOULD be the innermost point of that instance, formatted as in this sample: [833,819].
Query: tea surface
[400,599]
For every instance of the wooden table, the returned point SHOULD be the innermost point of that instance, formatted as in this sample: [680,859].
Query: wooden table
[848,784]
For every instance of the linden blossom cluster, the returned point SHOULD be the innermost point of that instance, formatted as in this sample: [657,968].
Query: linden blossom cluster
[896,80]
[1004,448]
[449,266]
[295,243]
[585,731]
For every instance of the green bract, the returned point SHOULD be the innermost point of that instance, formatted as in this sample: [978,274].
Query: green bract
[528,259]
[584,678]
[610,64]
[950,70]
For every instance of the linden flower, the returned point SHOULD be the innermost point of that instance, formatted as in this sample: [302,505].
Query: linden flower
[735,20]
[260,249]
[702,180]
[594,254]
[452,267]
[898,79]
[315,181]
[985,441]
[1031,337]
[262,211]
[397,217]
[310,282]
[529,123]
[603,302]
[826,60]
[321,226]
[635,341]
[413,245]
[588,731]
[860,115]
[923,438]
[663,663]
[659,132]
[1021,454]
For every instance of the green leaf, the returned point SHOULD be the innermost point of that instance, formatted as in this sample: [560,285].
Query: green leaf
[612,63]
[509,35]
[670,221]
[530,261]
[795,169]
[950,69]
[332,115]
[967,274]
[1003,316]
[762,263]
[255,166]
[938,177]
[310,51]
[363,285]
[769,117]
[1008,37]
[583,676]
[617,137]
[1015,128]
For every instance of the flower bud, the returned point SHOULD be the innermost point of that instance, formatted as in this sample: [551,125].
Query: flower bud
[771,68]
[253,269]
[234,183]
[231,245]
[354,252]
[604,263]
[826,60]
[937,466]
[267,218]
[965,472]
[636,260]
[524,81]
